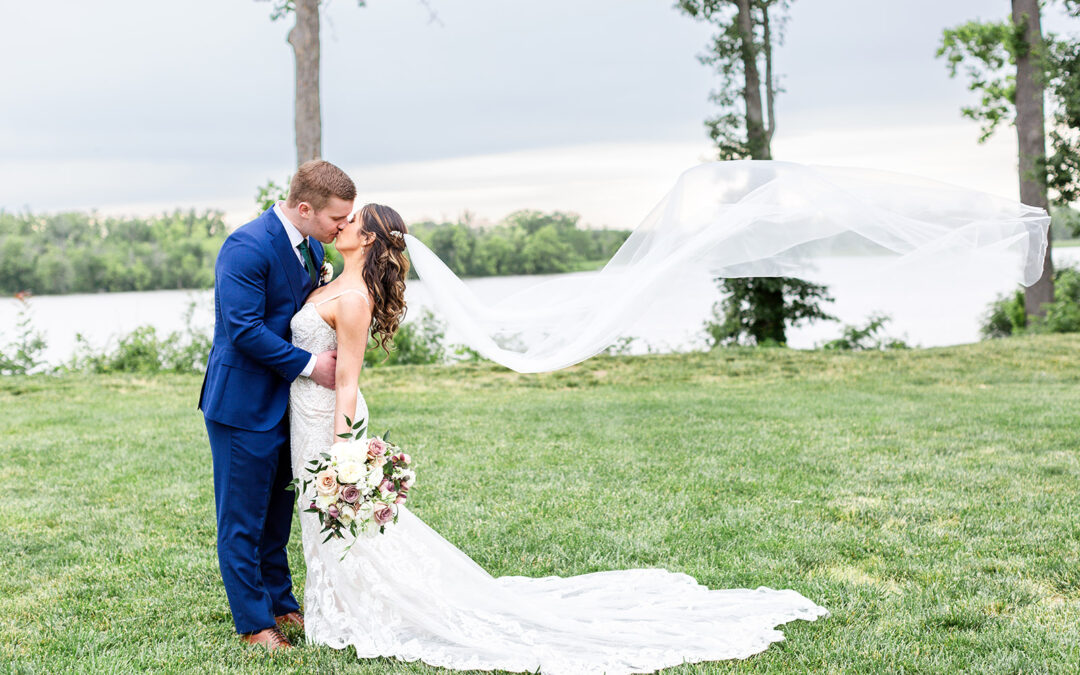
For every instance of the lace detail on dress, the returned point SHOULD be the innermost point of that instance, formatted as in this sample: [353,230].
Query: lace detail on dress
[411,594]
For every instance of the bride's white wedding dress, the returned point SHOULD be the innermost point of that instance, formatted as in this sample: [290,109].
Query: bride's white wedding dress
[411,594]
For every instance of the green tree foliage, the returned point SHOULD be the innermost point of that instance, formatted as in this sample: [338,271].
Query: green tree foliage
[1031,81]
[1007,315]
[759,310]
[1063,161]
[84,253]
[525,242]
[986,52]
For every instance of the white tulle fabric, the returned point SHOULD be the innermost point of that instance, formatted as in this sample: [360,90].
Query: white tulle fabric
[745,219]
[411,594]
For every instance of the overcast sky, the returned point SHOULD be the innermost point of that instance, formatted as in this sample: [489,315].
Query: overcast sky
[594,106]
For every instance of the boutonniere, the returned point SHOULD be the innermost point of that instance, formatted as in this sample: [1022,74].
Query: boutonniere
[327,273]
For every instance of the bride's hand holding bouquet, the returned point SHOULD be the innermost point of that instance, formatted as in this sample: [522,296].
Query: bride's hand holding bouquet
[357,485]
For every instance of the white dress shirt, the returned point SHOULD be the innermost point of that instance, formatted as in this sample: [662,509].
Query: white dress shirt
[294,239]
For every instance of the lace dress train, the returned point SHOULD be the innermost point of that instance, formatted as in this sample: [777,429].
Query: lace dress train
[411,594]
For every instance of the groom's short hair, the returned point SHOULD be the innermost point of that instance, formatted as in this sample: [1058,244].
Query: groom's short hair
[316,181]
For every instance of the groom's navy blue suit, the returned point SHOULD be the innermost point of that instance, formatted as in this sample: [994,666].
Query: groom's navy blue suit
[259,284]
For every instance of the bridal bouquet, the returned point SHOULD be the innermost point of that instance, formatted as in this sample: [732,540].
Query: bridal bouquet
[358,484]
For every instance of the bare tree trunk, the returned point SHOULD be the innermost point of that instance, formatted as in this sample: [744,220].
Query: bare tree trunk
[770,92]
[304,38]
[755,128]
[1031,133]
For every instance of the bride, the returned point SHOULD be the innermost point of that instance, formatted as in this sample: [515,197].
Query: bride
[411,594]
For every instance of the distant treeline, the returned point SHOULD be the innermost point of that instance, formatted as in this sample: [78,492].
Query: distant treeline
[86,253]
[526,242]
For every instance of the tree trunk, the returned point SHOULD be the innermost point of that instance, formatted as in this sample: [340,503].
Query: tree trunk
[304,38]
[755,127]
[1031,133]
[770,92]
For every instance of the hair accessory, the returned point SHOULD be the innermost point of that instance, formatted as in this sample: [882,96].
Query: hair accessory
[398,235]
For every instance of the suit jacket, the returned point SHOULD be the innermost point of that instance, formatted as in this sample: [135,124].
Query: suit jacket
[259,284]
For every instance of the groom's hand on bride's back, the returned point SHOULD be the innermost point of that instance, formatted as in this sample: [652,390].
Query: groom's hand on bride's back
[325,368]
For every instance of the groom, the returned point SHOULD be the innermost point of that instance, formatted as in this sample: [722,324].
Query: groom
[264,272]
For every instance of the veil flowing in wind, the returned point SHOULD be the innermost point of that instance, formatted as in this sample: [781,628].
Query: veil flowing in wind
[748,218]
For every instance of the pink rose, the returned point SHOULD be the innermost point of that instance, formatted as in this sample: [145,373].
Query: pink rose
[333,512]
[350,493]
[326,483]
[386,487]
[383,514]
[376,448]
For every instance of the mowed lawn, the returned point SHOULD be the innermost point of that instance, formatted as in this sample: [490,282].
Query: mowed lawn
[929,498]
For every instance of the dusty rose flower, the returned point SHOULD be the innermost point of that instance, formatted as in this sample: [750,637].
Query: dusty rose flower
[386,486]
[333,512]
[376,447]
[400,499]
[350,493]
[326,483]
[383,514]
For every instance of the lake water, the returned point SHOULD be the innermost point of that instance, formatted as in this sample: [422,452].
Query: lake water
[925,318]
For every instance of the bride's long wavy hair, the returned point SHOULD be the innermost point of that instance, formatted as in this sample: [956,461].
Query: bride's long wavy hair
[384,271]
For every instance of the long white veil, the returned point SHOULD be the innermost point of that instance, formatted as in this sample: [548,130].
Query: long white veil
[747,218]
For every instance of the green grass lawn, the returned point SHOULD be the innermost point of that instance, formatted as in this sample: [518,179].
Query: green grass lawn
[928,498]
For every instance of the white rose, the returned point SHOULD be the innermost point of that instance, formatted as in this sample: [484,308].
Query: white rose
[324,501]
[351,472]
[346,513]
[364,511]
[374,477]
[348,451]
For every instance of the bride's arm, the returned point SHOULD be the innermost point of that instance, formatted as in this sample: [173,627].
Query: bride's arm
[352,321]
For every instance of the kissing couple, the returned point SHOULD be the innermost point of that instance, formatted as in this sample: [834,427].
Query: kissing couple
[282,377]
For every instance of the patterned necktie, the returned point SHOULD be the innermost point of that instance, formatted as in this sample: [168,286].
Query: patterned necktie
[309,261]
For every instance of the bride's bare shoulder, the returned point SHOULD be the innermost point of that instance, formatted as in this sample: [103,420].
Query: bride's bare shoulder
[352,304]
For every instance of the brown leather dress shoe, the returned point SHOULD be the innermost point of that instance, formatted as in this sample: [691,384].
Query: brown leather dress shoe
[271,638]
[293,618]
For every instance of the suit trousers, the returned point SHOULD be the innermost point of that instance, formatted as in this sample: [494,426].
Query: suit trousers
[254,517]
